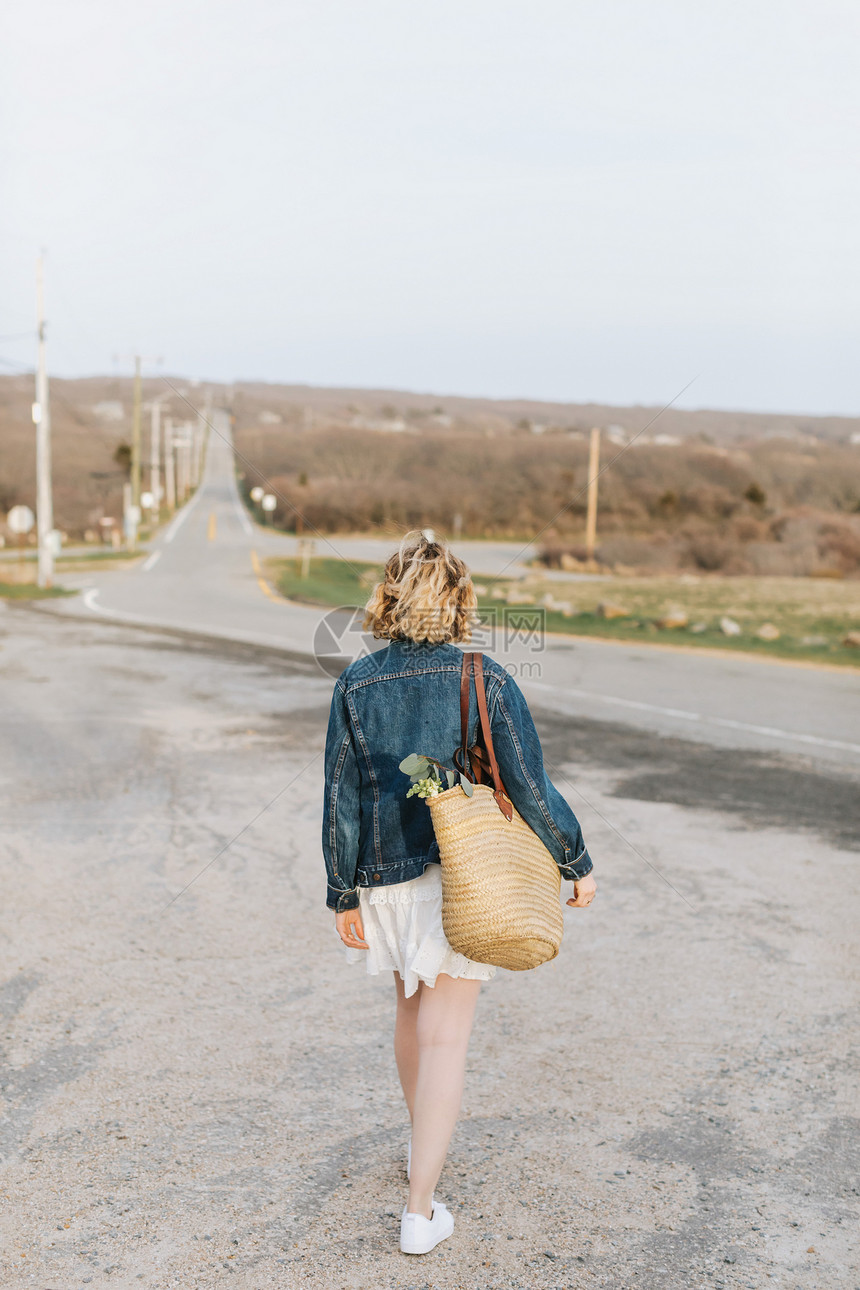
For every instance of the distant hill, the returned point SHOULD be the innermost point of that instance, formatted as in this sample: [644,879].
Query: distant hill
[343,405]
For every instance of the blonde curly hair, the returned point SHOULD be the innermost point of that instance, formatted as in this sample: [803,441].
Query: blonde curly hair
[426,594]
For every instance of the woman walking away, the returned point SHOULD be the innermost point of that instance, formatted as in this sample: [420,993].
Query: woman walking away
[381,855]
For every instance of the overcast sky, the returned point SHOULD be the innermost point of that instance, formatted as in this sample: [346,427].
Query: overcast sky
[566,199]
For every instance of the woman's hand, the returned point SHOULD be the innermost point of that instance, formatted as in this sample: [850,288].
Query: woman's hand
[584,891]
[350,928]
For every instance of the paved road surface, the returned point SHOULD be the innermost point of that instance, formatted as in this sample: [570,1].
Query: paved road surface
[199,1092]
[202,575]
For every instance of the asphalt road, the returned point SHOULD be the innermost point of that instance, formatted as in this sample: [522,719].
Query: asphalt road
[199,1091]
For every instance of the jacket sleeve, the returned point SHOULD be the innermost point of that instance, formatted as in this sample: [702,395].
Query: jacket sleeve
[538,801]
[341,806]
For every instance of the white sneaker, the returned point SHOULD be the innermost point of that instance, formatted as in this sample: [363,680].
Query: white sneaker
[419,1235]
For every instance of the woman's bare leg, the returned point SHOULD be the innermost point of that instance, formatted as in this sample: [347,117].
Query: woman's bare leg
[406,1039]
[445,1015]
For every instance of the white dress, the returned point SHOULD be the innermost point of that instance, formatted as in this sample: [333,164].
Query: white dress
[403,929]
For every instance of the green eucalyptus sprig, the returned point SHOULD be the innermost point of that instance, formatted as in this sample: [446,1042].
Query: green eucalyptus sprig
[430,777]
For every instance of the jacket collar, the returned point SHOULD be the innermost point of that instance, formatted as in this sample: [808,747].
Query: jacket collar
[411,645]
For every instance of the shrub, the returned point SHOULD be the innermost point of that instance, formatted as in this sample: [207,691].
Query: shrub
[647,555]
[708,552]
[550,554]
[839,544]
[691,506]
[122,457]
[746,528]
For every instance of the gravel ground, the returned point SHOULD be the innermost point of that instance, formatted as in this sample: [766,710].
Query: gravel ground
[198,1091]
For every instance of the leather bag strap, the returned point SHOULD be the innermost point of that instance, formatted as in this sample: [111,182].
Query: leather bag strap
[473,664]
[471,761]
[464,713]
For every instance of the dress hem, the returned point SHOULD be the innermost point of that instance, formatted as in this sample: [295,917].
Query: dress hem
[404,934]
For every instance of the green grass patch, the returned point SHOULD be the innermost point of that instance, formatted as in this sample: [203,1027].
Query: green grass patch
[87,561]
[813,615]
[29,591]
[329,582]
[72,561]
[87,557]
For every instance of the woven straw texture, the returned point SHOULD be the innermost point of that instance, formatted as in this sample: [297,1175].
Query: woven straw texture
[500,885]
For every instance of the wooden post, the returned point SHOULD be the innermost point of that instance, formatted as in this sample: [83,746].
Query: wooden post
[591,514]
[306,557]
[303,556]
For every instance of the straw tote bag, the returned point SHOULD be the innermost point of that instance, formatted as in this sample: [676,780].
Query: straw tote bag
[500,884]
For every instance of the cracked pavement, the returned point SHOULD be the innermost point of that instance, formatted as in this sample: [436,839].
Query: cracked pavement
[198,1091]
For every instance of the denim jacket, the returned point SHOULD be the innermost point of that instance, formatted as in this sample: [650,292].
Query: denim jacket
[405,698]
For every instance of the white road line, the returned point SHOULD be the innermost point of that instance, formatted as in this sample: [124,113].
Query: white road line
[152,561]
[90,597]
[204,629]
[180,519]
[783,734]
[773,731]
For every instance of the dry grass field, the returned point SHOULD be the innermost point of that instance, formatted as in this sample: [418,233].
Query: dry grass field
[723,492]
[799,618]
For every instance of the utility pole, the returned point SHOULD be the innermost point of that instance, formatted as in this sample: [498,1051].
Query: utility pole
[204,420]
[155,456]
[132,516]
[182,442]
[196,449]
[155,453]
[169,466]
[179,445]
[42,418]
[591,514]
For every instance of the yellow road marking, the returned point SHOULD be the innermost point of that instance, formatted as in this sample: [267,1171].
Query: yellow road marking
[213,527]
[261,581]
